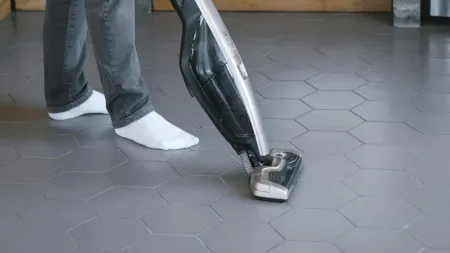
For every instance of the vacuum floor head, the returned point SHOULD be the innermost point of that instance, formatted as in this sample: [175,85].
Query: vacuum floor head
[277,177]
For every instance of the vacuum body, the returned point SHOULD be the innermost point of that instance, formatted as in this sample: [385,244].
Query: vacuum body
[215,75]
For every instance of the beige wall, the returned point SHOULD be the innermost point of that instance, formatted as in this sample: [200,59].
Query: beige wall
[292,5]
[5,8]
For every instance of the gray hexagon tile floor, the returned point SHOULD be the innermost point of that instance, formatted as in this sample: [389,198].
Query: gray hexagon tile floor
[367,105]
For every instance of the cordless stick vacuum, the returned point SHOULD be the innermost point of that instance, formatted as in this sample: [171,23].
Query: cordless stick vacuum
[216,76]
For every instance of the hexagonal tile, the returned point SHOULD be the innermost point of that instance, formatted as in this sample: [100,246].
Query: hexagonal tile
[327,168]
[9,225]
[10,83]
[242,236]
[431,199]
[336,81]
[294,247]
[31,170]
[109,233]
[386,183]
[431,123]
[329,120]
[326,143]
[432,146]
[97,136]
[19,197]
[431,172]
[92,159]
[5,99]
[311,225]
[141,174]
[175,106]
[321,195]
[193,190]
[76,186]
[62,215]
[285,89]
[256,96]
[282,108]
[294,40]
[289,72]
[384,133]
[237,179]
[333,100]
[256,78]
[211,140]
[45,146]
[432,231]
[75,125]
[256,61]
[126,202]
[377,240]
[212,163]
[435,251]
[388,74]
[432,102]
[295,55]
[203,120]
[168,244]
[7,154]
[389,213]
[384,157]
[21,65]
[39,240]
[265,32]
[142,153]
[181,219]
[433,83]
[246,208]
[340,64]
[436,49]
[281,129]
[436,65]
[158,77]
[99,251]
[341,48]
[387,92]
[385,111]
[391,57]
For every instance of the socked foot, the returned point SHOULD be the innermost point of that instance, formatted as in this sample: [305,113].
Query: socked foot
[96,104]
[154,131]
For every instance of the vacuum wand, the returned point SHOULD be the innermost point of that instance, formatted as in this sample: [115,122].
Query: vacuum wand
[215,75]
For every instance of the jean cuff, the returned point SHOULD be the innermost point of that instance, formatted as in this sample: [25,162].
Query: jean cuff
[134,117]
[71,105]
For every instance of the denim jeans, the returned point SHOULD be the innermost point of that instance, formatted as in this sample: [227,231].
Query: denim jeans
[112,29]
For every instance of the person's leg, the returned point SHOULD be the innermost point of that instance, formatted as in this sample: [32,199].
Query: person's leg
[67,92]
[112,26]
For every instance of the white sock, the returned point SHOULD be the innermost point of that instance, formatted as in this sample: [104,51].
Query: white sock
[154,131]
[96,104]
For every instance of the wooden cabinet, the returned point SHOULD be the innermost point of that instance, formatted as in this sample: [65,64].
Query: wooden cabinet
[30,5]
[292,5]
[5,8]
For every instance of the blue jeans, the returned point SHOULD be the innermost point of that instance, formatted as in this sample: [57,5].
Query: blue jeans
[112,28]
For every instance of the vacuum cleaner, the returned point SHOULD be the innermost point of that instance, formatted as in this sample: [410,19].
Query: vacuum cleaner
[215,75]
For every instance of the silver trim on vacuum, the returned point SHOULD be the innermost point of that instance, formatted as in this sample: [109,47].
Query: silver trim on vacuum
[236,68]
